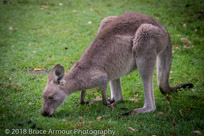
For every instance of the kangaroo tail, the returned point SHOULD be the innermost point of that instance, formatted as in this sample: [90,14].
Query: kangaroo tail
[163,69]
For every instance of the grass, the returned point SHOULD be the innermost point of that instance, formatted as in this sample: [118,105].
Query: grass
[41,34]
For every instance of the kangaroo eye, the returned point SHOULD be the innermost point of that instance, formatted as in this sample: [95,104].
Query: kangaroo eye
[50,97]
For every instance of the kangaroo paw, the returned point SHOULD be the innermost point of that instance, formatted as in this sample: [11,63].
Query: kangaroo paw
[111,100]
[82,102]
[106,103]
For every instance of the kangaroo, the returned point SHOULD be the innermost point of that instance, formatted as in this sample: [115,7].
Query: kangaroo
[124,43]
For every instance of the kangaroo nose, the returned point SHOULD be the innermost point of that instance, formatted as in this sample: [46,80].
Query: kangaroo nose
[45,113]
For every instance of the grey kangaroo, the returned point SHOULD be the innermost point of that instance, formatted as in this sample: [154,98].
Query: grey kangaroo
[123,43]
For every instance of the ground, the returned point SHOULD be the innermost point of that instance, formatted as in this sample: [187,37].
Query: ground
[35,35]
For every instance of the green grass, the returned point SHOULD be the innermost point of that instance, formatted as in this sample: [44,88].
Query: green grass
[42,29]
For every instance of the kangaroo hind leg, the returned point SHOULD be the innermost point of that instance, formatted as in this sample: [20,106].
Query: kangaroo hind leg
[146,46]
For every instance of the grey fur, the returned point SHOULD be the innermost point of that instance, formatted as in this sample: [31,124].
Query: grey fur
[122,44]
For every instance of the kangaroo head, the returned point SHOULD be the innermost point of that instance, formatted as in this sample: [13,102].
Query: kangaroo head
[53,94]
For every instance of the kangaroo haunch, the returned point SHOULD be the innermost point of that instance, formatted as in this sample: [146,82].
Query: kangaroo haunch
[123,44]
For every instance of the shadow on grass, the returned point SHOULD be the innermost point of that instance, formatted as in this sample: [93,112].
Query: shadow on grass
[89,111]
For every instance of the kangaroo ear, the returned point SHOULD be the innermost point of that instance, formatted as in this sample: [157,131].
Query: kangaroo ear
[57,73]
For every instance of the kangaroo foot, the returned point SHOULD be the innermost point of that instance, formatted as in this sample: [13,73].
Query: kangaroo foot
[138,111]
